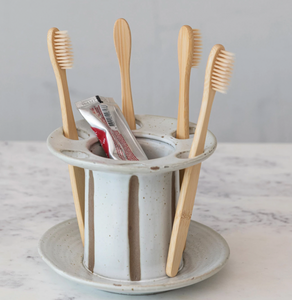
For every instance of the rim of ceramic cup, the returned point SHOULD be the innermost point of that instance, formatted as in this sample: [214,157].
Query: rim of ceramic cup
[152,131]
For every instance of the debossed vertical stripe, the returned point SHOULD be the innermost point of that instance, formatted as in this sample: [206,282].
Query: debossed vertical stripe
[133,229]
[173,196]
[91,222]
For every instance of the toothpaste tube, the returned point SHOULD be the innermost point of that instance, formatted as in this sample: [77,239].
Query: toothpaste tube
[108,122]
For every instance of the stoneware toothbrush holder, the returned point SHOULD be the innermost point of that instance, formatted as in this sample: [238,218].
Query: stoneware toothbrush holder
[130,205]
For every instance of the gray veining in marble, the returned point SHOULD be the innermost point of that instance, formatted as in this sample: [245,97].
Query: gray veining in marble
[245,193]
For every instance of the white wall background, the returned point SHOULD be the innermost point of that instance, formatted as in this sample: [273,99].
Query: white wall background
[257,107]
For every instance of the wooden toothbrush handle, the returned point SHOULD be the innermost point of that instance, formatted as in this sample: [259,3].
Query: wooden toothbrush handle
[127,100]
[77,178]
[182,219]
[191,178]
[189,186]
[185,55]
[182,131]
[123,43]
[69,126]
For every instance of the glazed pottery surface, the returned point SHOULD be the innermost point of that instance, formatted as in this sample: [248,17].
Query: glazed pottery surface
[206,254]
[130,205]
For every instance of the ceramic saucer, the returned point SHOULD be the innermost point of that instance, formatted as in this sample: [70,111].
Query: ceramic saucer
[205,254]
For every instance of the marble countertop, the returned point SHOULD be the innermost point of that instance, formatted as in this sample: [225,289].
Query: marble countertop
[244,193]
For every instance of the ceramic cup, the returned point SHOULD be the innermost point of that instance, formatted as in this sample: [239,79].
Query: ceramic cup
[130,205]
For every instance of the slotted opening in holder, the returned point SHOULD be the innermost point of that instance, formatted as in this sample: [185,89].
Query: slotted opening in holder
[183,155]
[82,134]
[153,148]
[192,130]
[138,124]
[75,154]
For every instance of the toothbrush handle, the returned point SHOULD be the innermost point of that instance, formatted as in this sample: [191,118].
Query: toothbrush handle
[127,100]
[77,179]
[69,126]
[188,191]
[122,40]
[182,219]
[185,55]
[182,131]
[190,181]
[77,176]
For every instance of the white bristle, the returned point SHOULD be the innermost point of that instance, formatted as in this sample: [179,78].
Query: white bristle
[222,71]
[197,47]
[63,49]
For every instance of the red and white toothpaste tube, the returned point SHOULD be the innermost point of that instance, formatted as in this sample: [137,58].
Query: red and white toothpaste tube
[108,122]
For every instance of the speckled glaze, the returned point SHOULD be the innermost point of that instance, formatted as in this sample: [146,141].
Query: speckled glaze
[128,239]
[206,254]
[156,136]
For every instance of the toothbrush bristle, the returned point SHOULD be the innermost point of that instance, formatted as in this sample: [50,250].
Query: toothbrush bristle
[63,49]
[222,71]
[197,47]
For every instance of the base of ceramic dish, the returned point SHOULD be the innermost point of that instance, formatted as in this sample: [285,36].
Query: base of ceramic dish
[206,253]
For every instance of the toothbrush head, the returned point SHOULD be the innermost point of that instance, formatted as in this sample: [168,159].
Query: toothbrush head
[63,49]
[222,70]
[197,47]
[189,48]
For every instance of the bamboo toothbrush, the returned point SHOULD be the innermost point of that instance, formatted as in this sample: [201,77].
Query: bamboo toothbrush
[122,40]
[61,56]
[189,56]
[217,77]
